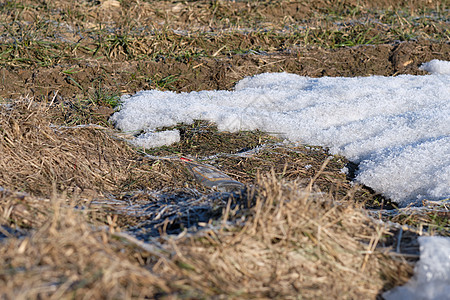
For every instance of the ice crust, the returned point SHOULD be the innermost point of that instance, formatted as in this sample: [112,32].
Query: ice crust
[431,279]
[396,128]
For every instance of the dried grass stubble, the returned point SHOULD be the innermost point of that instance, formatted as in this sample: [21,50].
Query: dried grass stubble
[67,257]
[293,242]
[20,211]
[79,160]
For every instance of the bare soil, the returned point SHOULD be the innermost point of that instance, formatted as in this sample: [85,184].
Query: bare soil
[197,74]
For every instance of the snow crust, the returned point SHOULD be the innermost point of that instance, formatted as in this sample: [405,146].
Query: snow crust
[437,66]
[396,128]
[431,274]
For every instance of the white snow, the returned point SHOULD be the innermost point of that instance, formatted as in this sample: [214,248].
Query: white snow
[344,170]
[437,67]
[431,280]
[396,128]
[157,139]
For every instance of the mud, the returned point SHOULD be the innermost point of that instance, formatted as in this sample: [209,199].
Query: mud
[128,77]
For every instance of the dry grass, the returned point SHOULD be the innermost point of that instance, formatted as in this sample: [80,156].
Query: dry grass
[292,242]
[67,257]
[91,52]
[82,160]
[282,238]
[65,32]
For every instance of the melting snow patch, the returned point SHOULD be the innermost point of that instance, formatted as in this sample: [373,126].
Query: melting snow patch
[344,170]
[157,139]
[432,273]
[397,128]
[437,67]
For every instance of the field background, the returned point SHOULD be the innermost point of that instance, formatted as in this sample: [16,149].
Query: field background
[85,215]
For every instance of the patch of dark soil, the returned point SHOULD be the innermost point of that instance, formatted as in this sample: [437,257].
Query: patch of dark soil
[81,80]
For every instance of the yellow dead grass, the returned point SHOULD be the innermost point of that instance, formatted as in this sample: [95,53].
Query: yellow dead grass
[284,240]
[293,243]
[66,257]
[82,160]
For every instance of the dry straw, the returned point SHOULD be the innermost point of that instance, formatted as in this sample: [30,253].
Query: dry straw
[294,243]
[284,239]
[67,257]
[85,160]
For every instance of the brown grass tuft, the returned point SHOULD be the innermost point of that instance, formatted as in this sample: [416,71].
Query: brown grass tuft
[82,160]
[67,257]
[294,243]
